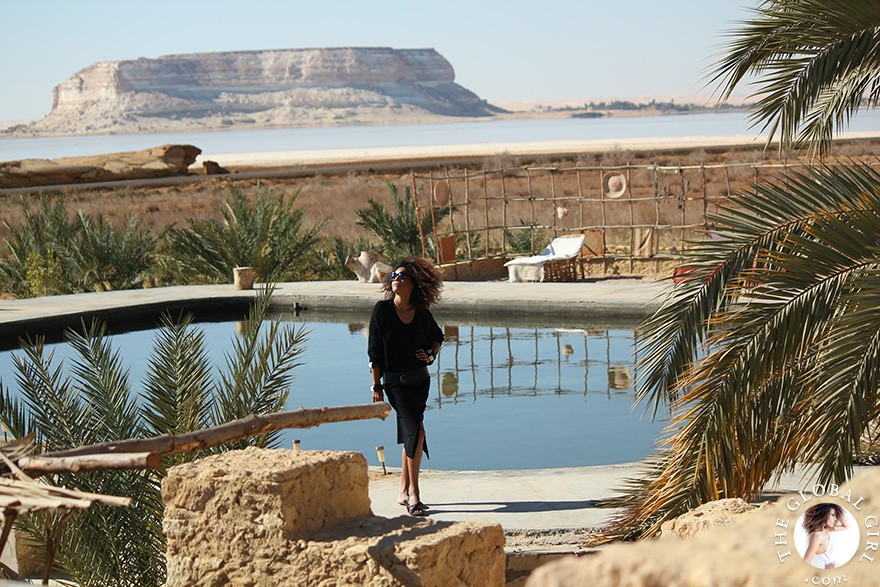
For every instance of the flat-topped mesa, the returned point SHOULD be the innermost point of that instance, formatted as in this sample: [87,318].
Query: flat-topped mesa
[283,87]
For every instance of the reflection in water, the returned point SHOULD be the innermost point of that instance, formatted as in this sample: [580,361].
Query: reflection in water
[516,362]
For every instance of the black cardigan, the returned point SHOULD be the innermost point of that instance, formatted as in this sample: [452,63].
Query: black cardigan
[392,345]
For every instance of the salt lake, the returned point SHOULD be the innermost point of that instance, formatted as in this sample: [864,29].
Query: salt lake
[473,132]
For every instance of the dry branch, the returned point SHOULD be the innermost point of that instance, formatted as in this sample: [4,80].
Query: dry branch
[41,465]
[253,425]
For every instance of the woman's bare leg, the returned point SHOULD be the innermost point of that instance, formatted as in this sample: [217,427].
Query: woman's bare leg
[403,496]
[414,465]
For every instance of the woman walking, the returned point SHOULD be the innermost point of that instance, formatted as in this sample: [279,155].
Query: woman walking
[404,340]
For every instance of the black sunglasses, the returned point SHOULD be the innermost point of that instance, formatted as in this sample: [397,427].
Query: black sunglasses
[395,275]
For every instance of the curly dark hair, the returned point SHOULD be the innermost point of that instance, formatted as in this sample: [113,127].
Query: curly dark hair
[816,517]
[426,279]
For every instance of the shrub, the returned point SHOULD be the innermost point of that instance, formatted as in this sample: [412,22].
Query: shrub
[266,234]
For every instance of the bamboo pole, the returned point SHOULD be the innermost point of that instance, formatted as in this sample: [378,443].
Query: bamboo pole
[168,444]
[486,207]
[504,204]
[431,203]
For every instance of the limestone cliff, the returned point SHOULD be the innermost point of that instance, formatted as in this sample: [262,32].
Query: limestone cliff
[285,87]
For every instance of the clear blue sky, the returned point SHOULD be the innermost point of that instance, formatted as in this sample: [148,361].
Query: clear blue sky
[502,50]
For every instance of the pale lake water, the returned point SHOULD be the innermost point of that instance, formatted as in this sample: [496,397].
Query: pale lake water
[501,397]
[471,132]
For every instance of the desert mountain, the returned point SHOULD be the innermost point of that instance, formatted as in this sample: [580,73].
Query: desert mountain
[258,89]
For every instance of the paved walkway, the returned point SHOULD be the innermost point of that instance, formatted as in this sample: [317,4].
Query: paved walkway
[542,510]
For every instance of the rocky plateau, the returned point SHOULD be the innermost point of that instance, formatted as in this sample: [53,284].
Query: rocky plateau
[257,89]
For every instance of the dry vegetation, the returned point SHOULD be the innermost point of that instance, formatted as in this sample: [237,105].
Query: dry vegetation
[655,197]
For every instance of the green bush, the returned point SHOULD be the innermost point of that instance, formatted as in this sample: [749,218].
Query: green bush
[49,254]
[266,234]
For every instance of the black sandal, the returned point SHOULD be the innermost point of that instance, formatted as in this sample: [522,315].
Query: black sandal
[417,509]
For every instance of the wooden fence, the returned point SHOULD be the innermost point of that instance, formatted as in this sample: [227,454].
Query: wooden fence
[518,211]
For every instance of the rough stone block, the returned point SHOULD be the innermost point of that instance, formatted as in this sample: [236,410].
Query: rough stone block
[266,517]
[722,512]
[756,550]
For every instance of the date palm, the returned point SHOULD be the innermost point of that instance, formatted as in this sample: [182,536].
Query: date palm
[267,234]
[767,355]
[818,63]
[400,232]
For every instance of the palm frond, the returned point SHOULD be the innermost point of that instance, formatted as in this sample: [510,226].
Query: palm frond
[258,370]
[819,63]
[786,370]
[178,384]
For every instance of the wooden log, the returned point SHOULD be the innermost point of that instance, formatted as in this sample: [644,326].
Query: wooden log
[41,465]
[253,425]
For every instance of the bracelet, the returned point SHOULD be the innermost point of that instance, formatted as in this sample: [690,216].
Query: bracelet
[377,388]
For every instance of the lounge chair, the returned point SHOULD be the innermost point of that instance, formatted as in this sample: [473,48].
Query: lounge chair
[557,262]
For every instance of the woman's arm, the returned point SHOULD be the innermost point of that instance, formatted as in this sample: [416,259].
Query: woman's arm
[842,523]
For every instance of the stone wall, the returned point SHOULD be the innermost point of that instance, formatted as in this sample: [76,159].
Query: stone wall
[273,517]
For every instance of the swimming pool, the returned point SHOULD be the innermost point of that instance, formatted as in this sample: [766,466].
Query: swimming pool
[502,397]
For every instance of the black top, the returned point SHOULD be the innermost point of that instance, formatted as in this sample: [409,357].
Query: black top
[393,344]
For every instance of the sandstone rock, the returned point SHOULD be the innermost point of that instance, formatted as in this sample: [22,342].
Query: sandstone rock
[264,517]
[214,168]
[757,550]
[722,512]
[262,88]
[164,161]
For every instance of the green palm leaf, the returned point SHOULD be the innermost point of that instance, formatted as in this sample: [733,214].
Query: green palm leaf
[819,61]
[780,367]
[258,371]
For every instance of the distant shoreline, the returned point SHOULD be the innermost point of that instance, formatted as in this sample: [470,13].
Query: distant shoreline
[184,126]
[278,159]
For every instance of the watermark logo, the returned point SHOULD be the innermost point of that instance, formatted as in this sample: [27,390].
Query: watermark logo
[827,535]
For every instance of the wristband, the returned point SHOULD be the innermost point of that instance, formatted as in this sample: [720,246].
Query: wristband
[376,388]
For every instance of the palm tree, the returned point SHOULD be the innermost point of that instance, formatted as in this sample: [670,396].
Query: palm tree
[818,61]
[49,254]
[767,355]
[400,231]
[95,403]
[267,234]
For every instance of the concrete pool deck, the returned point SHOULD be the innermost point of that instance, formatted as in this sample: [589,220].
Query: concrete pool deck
[602,300]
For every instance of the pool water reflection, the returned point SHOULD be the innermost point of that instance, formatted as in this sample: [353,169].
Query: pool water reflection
[501,397]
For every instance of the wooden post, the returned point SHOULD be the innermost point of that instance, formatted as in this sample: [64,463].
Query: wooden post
[705,199]
[467,214]
[503,214]
[532,205]
[412,176]
[434,221]
[683,201]
[632,220]
[486,202]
